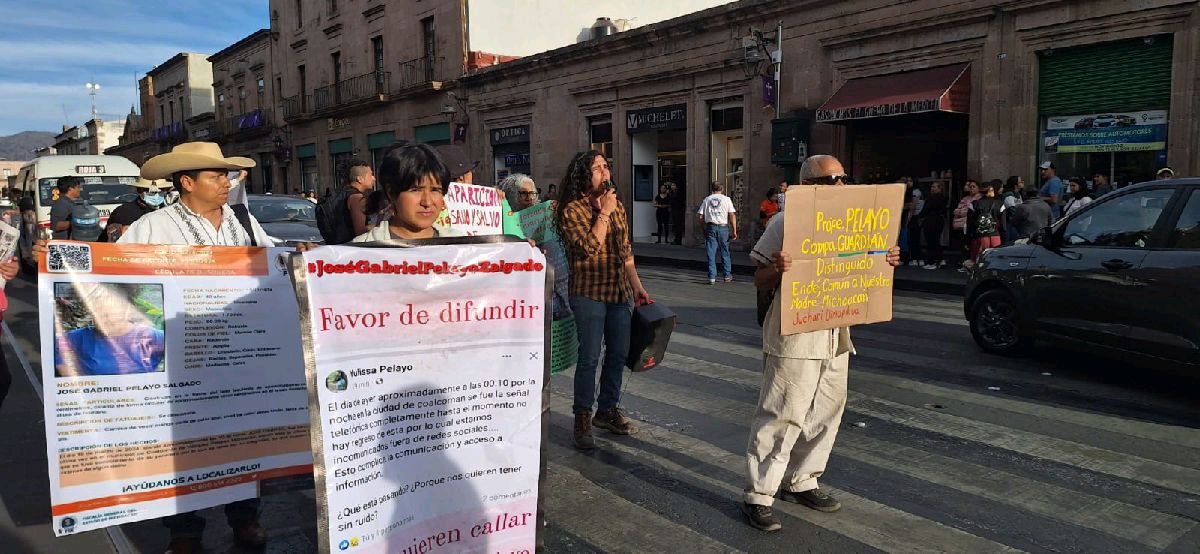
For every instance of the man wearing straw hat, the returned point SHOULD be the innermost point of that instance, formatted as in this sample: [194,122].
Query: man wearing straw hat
[152,196]
[202,216]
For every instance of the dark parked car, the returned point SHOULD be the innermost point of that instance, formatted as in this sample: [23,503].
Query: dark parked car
[289,220]
[1120,275]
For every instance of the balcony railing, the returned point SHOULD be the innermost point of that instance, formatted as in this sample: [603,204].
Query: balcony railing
[170,132]
[355,89]
[297,106]
[248,123]
[417,72]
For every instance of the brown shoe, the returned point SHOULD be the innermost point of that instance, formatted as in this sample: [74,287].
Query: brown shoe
[250,534]
[583,431]
[615,421]
[184,545]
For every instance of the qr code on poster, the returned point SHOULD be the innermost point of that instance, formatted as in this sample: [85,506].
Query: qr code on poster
[69,258]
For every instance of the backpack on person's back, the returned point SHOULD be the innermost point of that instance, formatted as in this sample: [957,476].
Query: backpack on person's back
[333,219]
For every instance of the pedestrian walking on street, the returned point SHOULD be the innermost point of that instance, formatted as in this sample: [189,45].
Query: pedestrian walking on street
[959,239]
[343,215]
[1030,216]
[933,222]
[914,203]
[804,386]
[782,196]
[984,221]
[604,284]
[1100,185]
[1053,191]
[768,207]
[662,213]
[678,209]
[1077,196]
[63,210]
[719,219]
[152,196]
[1013,196]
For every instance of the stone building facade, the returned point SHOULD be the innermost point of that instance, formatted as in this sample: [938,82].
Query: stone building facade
[177,105]
[980,89]
[245,122]
[91,138]
[353,77]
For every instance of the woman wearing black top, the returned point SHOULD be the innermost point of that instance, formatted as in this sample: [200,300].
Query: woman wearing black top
[933,222]
[662,212]
[984,224]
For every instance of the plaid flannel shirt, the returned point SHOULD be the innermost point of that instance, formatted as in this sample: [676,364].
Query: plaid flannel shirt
[597,268]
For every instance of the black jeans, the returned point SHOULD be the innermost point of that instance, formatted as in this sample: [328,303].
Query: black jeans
[188,525]
[933,240]
[915,232]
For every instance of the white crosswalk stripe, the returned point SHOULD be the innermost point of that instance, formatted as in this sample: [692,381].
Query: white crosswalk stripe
[894,529]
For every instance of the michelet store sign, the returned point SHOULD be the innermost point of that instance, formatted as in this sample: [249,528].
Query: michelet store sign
[657,119]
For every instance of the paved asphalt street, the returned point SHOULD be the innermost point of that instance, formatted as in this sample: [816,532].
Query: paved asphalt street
[942,448]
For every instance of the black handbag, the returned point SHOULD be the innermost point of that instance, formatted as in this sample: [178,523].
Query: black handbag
[649,333]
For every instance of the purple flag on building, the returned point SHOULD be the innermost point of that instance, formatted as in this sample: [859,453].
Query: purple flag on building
[768,87]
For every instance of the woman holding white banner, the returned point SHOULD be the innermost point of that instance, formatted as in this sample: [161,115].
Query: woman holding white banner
[414,178]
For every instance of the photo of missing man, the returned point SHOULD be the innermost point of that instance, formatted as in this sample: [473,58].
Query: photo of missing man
[108,329]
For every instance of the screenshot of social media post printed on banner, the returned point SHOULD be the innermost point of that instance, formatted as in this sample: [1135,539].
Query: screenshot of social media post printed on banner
[426,366]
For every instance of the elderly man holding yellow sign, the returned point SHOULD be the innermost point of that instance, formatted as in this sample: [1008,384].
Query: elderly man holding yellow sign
[829,262]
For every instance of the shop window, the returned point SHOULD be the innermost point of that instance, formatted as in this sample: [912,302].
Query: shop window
[308,174]
[600,134]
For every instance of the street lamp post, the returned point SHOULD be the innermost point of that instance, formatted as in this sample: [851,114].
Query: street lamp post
[93,88]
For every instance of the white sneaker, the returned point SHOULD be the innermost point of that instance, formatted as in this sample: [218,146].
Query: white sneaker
[929,266]
[914,263]
[712,281]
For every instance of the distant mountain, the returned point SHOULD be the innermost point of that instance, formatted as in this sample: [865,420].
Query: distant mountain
[21,145]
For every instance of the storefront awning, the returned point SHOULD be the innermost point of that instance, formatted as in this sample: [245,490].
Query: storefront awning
[939,89]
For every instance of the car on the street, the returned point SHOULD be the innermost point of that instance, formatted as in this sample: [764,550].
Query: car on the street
[1121,275]
[288,220]
[1106,120]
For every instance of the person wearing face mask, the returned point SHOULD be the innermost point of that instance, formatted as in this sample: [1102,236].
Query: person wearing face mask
[152,195]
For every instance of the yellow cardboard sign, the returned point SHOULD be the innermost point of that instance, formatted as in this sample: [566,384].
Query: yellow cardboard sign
[838,237]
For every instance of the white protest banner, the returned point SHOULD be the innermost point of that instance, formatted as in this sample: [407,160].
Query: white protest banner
[173,379]
[473,209]
[425,370]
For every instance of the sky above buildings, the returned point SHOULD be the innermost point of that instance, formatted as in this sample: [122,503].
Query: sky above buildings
[49,50]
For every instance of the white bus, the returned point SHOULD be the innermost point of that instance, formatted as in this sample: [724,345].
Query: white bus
[107,183]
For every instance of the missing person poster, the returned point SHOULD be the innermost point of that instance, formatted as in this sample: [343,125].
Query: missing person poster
[838,237]
[473,209]
[425,372]
[173,379]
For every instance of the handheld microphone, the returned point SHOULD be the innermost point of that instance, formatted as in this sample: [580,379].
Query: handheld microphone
[608,185]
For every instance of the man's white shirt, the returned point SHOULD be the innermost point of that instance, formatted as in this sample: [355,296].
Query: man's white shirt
[176,224]
[716,209]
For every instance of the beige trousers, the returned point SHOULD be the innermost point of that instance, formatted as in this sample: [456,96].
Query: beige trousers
[799,410]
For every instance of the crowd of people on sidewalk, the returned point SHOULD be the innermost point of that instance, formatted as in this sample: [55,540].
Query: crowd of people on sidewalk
[991,214]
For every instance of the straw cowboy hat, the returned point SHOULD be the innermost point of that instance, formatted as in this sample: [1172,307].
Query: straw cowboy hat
[152,185]
[191,156]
